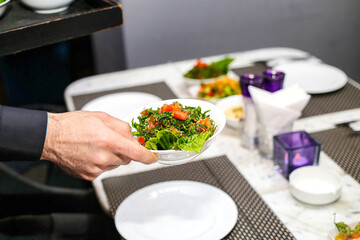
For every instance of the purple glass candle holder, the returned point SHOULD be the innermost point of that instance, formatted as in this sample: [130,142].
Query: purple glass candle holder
[273,80]
[295,149]
[250,79]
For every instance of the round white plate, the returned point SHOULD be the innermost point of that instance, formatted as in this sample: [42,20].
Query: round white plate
[176,210]
[119,105]
[313,78]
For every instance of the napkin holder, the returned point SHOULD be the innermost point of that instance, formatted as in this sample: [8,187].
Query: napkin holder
[276,113]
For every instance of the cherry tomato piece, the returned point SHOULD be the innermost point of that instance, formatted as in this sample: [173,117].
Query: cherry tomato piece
[355,235]
[200,63]
[180,115]
[141,140]
[205,121]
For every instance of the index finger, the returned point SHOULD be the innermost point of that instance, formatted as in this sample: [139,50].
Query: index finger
[118,125]
[135,151]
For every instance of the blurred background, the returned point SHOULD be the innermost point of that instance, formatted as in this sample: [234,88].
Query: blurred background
[160,31]
[166,30]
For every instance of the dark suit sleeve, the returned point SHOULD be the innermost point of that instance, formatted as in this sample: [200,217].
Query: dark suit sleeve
[22,134]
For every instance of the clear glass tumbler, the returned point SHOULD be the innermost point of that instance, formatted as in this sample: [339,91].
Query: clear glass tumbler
[249,132]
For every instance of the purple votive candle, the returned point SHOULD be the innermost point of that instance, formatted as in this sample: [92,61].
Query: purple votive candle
[250,79]
[294,150]
[273,80]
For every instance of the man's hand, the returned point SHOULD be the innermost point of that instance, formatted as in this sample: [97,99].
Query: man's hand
[85,144]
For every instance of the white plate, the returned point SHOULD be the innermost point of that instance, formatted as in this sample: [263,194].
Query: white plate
[119,105]
[172,157]
[313,78]
[176,210]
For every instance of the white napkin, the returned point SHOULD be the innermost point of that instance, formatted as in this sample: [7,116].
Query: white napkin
[277,111]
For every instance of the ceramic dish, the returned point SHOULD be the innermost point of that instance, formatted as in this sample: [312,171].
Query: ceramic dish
[315,185]
[193,92]
[3,7]
[313,78]
[334,231]
[228,103]
[171,157]
[176,210]
[220,84]
[120,105]
[47,6]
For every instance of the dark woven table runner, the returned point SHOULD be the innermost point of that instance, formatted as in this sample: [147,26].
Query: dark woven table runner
[257,68]
[343,99]
[160,89]
[255,221]
[343,145]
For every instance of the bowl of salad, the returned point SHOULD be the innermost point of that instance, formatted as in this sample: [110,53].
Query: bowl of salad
[46,6]
[203,72]
[343,231]
[220,88]
[3,6]
[177,130]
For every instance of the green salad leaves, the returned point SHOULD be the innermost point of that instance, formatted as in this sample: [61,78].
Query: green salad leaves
[174,127]
[345,231]
[203,70]
[194,142]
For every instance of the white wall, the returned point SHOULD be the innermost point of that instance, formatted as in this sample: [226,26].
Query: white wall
[158,31]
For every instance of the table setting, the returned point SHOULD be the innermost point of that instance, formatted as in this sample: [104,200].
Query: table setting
[150,219]
[218,172]
[251,165]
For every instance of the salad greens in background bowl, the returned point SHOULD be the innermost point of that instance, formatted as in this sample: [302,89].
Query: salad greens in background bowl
[345,231]
[203,72]
[221,88]
[3,6]
[177,130]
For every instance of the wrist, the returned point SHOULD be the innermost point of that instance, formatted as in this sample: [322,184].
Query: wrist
[51,136]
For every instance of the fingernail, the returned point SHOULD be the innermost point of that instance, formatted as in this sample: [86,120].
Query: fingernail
[156,157]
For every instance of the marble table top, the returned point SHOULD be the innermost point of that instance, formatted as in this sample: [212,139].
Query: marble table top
[303,220]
